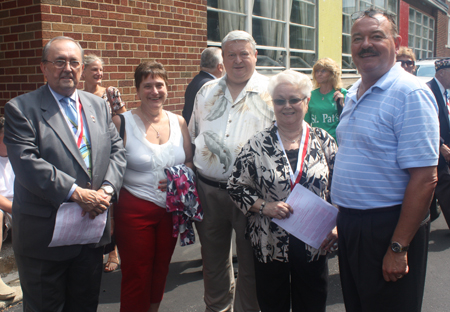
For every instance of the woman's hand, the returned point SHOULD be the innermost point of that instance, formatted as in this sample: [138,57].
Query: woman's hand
[338,97]
[330,242]
[162,185]
[279,210]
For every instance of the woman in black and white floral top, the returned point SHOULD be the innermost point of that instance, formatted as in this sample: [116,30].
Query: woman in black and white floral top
[287,270]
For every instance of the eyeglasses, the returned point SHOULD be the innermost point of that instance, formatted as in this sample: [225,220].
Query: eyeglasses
[407,63]
[281,102]
[371,13]
[62,63]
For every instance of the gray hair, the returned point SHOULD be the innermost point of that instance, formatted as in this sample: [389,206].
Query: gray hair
[211,57]
[294,78]
[47,47]
[91,58]
[240,35]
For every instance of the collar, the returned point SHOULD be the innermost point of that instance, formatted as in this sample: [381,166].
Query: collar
[58,97]
[209,74]
[253,84]
[441,88]
[383,83]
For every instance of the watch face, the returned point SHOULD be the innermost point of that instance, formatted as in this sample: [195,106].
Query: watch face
[108,189]
[396,247]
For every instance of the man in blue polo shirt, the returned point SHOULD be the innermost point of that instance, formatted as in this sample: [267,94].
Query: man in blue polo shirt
[385,174]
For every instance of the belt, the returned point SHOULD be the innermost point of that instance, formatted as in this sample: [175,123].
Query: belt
[220,185]
[362,212]
[366,212]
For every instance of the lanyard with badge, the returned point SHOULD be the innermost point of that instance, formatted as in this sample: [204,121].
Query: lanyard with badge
[296,176]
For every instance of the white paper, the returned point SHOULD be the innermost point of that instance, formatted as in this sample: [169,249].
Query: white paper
[73,229]
[313,217]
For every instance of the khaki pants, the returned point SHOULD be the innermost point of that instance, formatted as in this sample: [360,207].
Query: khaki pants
[221,216]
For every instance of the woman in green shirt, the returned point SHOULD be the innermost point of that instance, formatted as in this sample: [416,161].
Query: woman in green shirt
[327,100]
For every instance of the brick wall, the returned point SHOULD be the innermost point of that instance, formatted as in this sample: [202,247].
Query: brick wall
[122,32]
[442,46]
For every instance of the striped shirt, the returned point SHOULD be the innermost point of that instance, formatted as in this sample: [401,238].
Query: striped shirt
[392,127]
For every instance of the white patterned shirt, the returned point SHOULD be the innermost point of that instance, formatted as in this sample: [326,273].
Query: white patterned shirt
[220,127]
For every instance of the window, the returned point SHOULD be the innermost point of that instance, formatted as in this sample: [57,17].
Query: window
[421,34]
[348,8]
[284,30]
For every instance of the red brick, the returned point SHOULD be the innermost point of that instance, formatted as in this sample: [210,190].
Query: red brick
[99,14]
[9,38]
[109,23]
[61,10]
[100,30]
[81,12]
[52,18]
[89,5]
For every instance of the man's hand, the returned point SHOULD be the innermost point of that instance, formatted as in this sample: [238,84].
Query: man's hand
[92,202]
[445,151]
[395,265]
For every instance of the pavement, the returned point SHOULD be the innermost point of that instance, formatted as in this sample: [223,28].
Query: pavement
[184,288]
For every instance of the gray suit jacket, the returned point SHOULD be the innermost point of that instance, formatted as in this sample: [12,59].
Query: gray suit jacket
[47,162]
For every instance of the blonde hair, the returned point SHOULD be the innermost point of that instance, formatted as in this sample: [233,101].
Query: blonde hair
[91,58]
[406,52]
[332,67]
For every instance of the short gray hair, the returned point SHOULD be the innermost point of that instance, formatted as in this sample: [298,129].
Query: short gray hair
[240,35]
[47,47]
[294,78]
[211,57]
[91,58]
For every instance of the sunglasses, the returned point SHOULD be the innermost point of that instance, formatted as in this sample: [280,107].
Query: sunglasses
[371,13]
[407,63]
[281,102]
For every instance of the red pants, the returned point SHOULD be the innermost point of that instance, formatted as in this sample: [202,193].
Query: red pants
[144,238]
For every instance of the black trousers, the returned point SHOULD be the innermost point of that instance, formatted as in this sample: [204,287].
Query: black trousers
[364,238]
[442,193]
[61,286]
[303,282]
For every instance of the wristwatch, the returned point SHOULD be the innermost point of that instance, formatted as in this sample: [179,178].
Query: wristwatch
[108,189]
[397,247]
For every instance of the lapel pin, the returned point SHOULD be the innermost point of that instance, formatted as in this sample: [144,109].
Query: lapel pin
[93,118]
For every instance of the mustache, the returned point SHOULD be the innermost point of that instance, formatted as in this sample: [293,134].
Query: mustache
[367,51]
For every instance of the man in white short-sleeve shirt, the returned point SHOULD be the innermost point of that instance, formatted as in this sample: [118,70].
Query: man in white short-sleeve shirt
[227,112]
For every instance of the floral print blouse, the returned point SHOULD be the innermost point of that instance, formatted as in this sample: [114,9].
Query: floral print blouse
[261,171]
[112,97]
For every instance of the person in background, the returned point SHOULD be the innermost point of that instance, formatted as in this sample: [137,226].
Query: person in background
[211,67]
[63,148]
[384,174]
[93,75]
[439,86]
[289,273]
[327,100]
[407,58]
[154,139]
[227,112]
[6,197]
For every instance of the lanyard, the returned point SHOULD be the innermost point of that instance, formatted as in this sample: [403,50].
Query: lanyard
[295,177]
[79,134]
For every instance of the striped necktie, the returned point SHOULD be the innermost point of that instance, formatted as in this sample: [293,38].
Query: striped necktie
[76,119]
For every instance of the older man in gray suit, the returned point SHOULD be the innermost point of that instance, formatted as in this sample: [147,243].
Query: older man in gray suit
[63,148]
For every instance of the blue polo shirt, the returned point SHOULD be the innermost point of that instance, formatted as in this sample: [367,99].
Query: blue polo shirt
[392,127]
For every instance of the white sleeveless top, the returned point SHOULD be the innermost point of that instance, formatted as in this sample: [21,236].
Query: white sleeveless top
[146,161]
[6,179]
